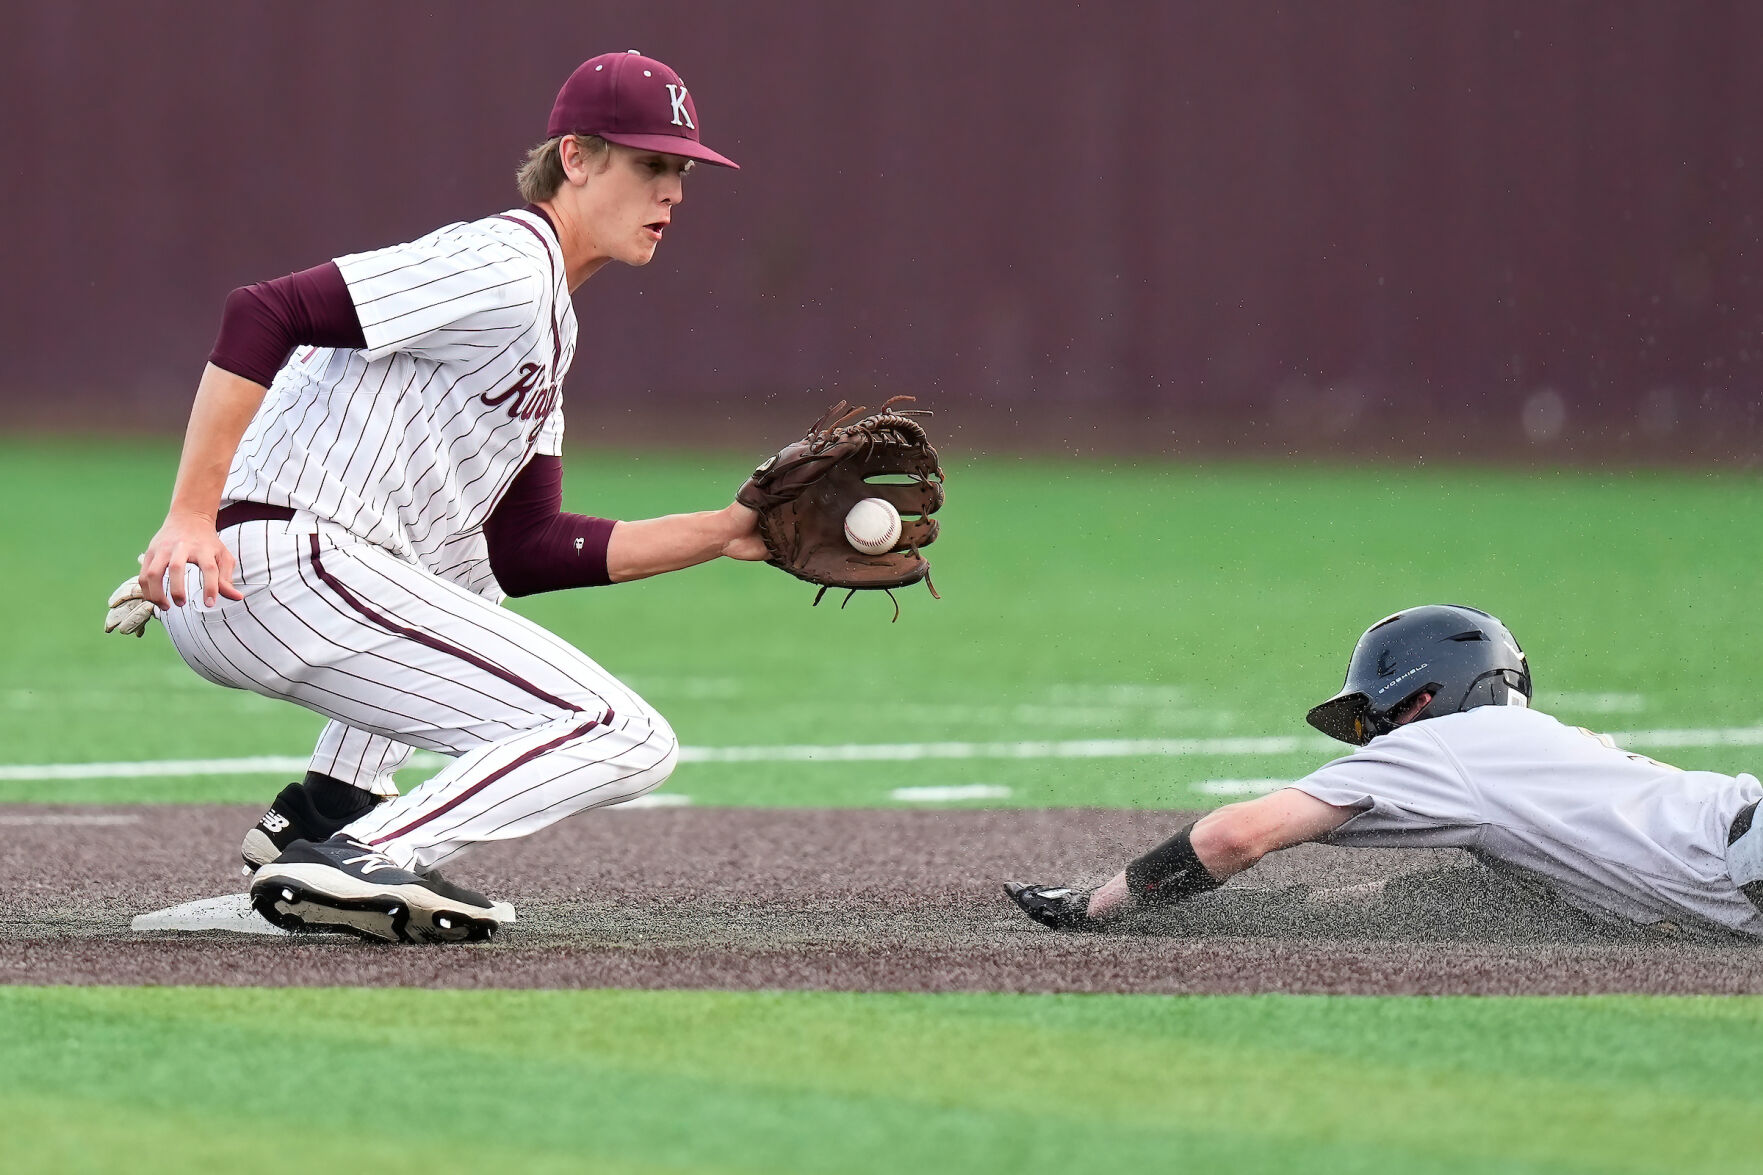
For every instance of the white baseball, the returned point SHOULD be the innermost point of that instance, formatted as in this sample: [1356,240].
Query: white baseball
[873,526]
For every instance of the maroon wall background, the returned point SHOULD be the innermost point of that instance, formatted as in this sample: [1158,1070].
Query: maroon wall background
[1471,229]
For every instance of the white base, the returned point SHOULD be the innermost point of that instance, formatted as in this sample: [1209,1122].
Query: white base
[230,912]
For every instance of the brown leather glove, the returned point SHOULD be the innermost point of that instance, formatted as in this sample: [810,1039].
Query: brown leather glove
[803,493]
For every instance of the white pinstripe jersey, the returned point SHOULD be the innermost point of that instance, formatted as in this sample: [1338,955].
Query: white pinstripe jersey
[411,442]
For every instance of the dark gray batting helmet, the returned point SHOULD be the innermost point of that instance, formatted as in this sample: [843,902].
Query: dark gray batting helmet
[1465,657]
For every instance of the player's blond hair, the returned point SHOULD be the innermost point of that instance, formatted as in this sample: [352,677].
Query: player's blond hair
[541,172]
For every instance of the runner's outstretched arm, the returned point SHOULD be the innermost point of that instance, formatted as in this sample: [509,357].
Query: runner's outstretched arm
[1218,846]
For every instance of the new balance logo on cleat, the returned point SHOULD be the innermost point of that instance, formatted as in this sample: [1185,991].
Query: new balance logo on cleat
[370,862]
[294,817]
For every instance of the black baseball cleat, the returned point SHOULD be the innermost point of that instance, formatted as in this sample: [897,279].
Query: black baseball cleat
[348,886]
[1056,906]
[294,816]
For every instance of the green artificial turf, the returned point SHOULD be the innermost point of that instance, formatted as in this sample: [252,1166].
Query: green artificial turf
[1083,601]
[431,1081]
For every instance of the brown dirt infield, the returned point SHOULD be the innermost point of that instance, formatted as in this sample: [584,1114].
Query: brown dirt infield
[829,899]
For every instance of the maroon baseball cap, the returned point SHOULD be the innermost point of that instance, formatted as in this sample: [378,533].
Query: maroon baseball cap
[634,101]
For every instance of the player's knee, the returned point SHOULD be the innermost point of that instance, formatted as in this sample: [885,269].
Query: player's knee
[658,742]
[663,741]
[652,758]
[639,750]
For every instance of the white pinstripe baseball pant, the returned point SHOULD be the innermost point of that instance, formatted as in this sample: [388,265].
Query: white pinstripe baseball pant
[353,756]
[382,646]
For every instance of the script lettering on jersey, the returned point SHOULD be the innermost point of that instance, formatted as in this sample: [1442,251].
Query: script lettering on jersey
[677,95]
[531,398]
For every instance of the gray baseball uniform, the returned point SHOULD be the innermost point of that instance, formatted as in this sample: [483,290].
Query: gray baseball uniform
[1613,833]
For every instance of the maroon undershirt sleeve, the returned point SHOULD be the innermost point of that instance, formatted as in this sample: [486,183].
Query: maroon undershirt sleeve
[534,546]
[264,322]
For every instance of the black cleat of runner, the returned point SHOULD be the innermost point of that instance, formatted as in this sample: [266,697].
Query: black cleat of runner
[1055,906]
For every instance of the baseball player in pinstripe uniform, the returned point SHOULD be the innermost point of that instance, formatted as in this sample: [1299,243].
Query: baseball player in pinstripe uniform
[372,462]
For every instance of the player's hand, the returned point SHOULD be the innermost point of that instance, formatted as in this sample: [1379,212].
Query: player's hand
[186,539]
[744,541]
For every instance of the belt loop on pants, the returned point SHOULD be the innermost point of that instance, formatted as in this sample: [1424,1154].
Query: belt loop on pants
[242,512]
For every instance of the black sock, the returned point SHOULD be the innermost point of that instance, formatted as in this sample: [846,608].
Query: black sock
[335,800]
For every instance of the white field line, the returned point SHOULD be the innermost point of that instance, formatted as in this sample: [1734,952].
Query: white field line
[1240,787]
[1097,748]
[1053,714]
[943,795]
[654,799]
[1116,748]
[158,768]
[1595,703]
[1717,736]
[14,821]
[1136,694]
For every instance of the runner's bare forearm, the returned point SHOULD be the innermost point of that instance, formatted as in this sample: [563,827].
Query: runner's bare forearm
[1231,839]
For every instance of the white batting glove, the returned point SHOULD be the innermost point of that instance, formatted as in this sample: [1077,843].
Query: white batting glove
[130,611]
